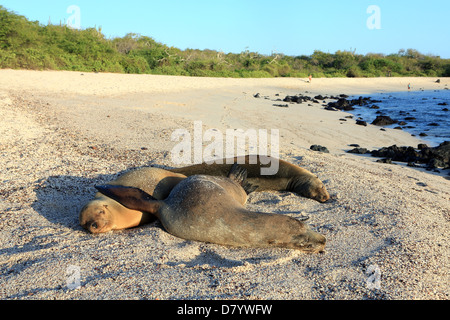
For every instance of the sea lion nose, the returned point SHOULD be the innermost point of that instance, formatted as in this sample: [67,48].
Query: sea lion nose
[322,240]
[319,241]
[93,227]
[324,197]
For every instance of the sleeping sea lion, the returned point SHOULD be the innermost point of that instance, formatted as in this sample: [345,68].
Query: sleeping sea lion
[288,177]
[103,214]
[211,209]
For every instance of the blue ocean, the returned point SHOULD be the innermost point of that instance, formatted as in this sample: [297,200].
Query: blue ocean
[426,112]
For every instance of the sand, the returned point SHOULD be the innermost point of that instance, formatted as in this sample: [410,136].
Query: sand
[62,133]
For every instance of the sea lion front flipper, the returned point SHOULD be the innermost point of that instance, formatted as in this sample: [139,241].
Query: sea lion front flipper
[239,175]
[130,197]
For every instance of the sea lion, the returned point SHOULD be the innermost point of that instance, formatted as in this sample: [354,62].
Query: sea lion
[211,209]
[288,177]
[103,214]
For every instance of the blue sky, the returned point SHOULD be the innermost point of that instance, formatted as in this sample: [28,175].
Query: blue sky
[292,27]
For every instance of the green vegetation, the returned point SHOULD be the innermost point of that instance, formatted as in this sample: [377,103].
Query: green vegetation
[29,45]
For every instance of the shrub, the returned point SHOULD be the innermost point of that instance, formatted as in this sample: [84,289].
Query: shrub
[29,45]
[354,72]
[134,64]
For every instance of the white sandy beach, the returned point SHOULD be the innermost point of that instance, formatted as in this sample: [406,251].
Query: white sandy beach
[62,133]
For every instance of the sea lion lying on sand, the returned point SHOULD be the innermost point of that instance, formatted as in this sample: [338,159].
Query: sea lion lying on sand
[211,209]
[103,214]
[288,177]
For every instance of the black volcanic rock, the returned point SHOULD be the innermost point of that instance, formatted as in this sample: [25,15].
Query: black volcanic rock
[316,147]
[402,154]
[432,157]
[342,104]
[346,105]
[421,146]
[442,152]
[383,121]
[387,160]
[297,99]
[361,123]
[359,151]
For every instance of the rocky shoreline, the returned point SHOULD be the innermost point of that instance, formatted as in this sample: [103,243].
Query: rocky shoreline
[423,156]
[430,158]
[342,103]
[400,119]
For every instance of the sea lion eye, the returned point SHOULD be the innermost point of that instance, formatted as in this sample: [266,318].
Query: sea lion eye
[94,225]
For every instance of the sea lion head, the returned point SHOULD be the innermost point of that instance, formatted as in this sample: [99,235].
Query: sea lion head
[318,191]
[309,186]
[309,241]
[96,217]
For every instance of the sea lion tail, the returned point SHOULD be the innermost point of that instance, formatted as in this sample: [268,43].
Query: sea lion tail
[132,198]
[239,174]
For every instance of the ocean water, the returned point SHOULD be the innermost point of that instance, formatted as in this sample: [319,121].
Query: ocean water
[429,117]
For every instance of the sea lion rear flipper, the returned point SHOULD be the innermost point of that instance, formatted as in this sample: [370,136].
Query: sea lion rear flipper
[239,174]
[249,188]
[303,218]
[130,197]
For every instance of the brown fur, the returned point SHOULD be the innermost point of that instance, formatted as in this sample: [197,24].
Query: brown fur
[103,214]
